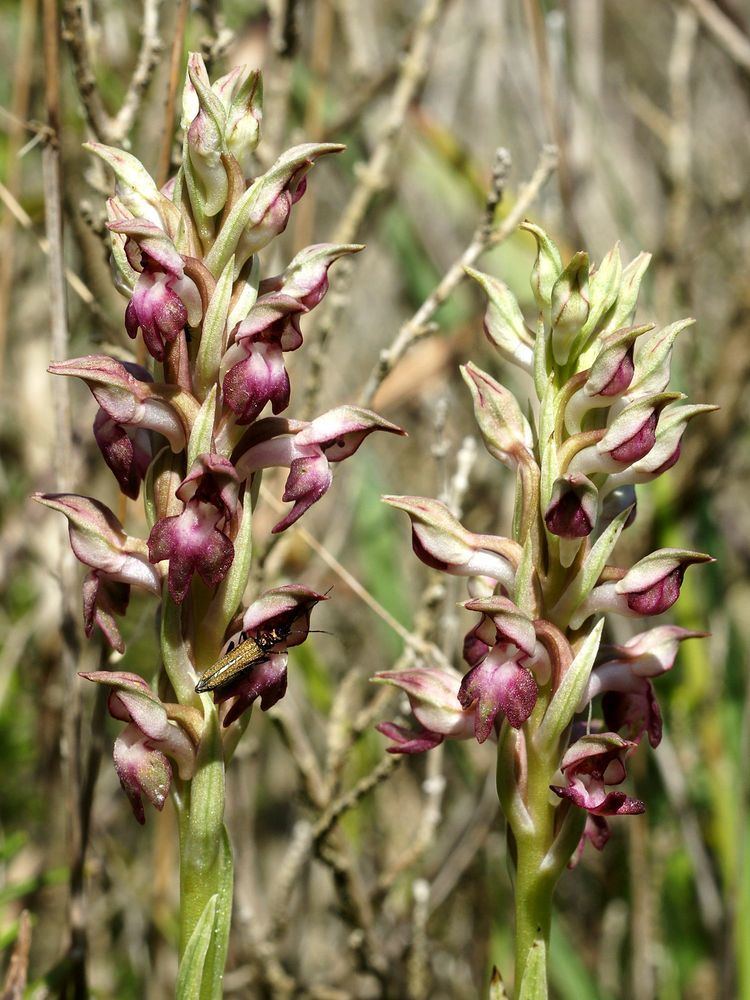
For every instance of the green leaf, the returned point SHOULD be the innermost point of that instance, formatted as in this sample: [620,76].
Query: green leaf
[534,983]
[174,653]
[584,581]
[523,594]
[201,436]
[213,974]
[563,705]
[190,975]
[212,336]
[245,291]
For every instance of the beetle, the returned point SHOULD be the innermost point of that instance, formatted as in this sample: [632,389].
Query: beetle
[238,660]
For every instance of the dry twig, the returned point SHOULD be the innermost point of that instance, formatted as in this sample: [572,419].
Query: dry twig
[18,969]
[734,42]
[175,67]
[485,236]
[112,129]
[373,176]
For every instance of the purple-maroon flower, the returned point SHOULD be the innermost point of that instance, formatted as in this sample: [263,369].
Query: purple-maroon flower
[592,765]
[196,541]
[433,699]
[103,598]
[131,399]
[596,831]
[309,451]
[442,542]
[143,749]
[255,363]
[650,587]
[634,710]
[573,507]
[499,683]
[622,677]
[164,299]
[126,450]
[287,611]
[117,560]
[408,741]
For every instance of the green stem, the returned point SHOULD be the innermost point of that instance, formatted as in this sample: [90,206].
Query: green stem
[205,872]
[534,886]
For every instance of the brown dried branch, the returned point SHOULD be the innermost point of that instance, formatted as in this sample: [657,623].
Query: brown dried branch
[485,236]
[111,129]
[175,65]
[19,109]
[70,737]
[373,176]
[419,645]
[734,41]
[18,969]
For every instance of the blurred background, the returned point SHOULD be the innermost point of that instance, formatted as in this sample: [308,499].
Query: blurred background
[406,894]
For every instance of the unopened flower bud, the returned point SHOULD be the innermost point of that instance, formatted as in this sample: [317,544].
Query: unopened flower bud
[569,306]
[572,509]
[505,430]
[608,378]
[666,450]
[241,92]
[653,360]
[205,143]
[653,584]
[651,587]
[503,321]
[547,266]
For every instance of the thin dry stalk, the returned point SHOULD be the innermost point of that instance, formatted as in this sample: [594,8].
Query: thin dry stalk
[19,110]
[112,129]
[18,969]
[735,43]
[485,236]
[373,176]
[320,63]
[175,67]
[417,971]
[71,735]
[24,220]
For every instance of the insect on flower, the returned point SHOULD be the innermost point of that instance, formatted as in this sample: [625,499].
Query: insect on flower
[248,651]
[240,658]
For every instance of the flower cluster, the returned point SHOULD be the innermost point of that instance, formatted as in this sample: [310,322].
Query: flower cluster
[192,428]
[535,663]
